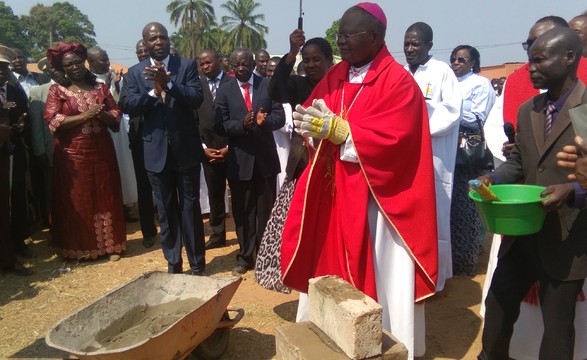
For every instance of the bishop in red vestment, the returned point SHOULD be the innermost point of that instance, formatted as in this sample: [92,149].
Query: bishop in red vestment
[329,228]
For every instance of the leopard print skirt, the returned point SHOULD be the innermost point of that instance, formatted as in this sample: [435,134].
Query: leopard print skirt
[268,264]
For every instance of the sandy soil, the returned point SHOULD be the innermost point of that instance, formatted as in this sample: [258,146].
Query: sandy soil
[30,306]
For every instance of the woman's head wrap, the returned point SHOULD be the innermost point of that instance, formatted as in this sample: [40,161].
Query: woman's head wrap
[56,54]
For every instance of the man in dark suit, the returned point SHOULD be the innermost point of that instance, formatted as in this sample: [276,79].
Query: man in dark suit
[15,102]
[166,91]
[12,115]
[248,116]
[215,146]
[556,257]
[144,190]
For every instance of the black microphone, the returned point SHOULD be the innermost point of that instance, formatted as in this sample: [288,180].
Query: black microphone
[510,132]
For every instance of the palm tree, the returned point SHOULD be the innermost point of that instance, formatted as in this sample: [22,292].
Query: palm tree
[197,17]
[242,26]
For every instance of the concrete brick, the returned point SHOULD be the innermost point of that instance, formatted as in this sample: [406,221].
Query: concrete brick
[347,316]
[305,341]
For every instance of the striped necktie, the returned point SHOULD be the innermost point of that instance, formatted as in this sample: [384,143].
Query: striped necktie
[213,88]
[548,112]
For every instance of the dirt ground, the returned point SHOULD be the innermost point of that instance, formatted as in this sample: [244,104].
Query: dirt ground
[30,306]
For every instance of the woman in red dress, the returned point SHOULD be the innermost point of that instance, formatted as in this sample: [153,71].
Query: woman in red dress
[86,213]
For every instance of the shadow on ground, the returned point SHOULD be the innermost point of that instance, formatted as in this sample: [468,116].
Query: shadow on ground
[39,349]
[259,346]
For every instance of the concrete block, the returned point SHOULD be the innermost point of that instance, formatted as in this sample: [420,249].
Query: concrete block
[347,316]
[305,341]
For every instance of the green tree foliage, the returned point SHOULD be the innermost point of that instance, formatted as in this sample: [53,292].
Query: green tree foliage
[331,38]
[196,18]
[62,21]
[11,33]
[242,25]
[218,41]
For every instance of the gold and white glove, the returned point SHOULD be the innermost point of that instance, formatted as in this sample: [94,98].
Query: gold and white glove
[318,121]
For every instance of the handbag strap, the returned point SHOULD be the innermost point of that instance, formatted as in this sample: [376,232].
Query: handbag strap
[480,128]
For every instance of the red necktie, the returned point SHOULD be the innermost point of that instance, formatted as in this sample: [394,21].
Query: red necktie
[247,96]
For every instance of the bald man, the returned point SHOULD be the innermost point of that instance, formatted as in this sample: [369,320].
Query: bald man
[166,90]
[555,258]
[518,87]
[579,24]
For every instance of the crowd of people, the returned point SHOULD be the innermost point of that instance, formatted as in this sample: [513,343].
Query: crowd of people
[347,169]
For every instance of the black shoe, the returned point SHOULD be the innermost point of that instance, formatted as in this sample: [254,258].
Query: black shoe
[240,270]
[213,244]
[128,217]
[148,241]
[24,252]
[175,269]
[18,269]
[197,273]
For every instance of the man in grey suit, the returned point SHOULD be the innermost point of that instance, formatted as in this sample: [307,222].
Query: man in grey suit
[556,257]
[41,137]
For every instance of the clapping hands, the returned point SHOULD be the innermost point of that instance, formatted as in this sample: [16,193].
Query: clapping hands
[158,75]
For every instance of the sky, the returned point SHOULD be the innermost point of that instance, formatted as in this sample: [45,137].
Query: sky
[496,27]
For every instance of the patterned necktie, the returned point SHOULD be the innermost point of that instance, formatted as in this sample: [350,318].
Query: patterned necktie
[548,112]
[247,96]
[213,88]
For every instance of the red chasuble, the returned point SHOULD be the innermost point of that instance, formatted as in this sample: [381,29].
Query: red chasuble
[518,89]
[327,230]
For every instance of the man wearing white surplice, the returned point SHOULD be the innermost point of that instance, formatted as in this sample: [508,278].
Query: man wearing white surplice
[443,100]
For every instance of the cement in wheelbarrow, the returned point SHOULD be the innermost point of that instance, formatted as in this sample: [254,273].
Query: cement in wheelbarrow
[156,316]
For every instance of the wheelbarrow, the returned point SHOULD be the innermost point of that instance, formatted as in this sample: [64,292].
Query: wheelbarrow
[156,316]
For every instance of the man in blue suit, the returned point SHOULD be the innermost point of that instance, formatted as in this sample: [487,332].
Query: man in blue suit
[166,90]
[248,116]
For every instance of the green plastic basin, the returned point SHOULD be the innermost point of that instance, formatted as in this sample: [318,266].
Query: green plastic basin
[519,211]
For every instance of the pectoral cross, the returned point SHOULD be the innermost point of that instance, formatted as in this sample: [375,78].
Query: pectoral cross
[428,92]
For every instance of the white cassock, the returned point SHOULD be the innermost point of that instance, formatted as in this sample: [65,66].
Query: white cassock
[204,199]
[439,86]
[493,129]
[394,278]
[123,154]
[282,139]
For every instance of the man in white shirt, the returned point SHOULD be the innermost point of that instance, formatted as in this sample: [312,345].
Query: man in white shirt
[261,60]
[443,100]
[26,78]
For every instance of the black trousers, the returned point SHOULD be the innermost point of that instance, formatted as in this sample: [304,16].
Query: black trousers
[20,223]
[177,194]
[252,202]
[215,175]
[7,256]
[515,273]
[144,190]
